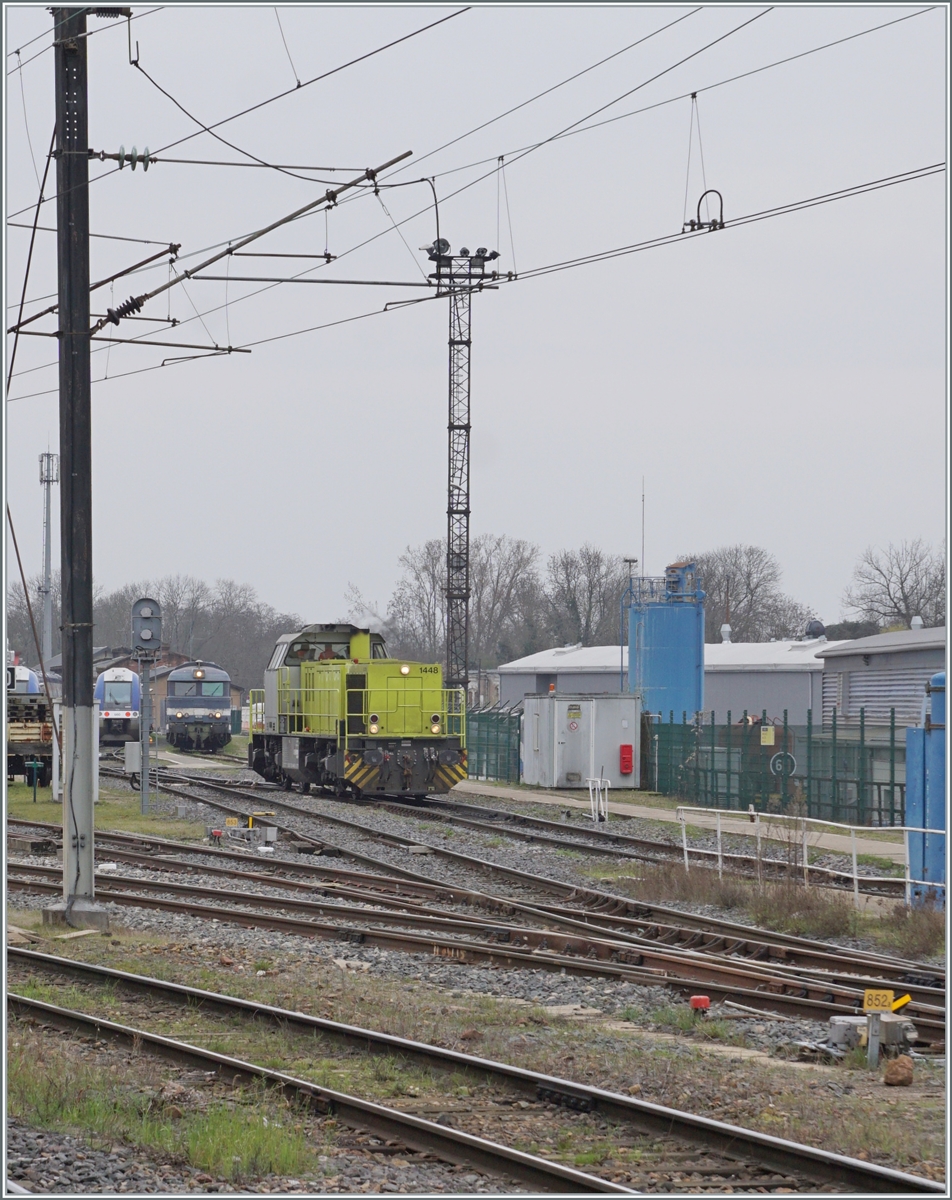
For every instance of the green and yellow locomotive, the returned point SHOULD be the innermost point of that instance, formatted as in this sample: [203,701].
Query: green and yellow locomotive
[338,712]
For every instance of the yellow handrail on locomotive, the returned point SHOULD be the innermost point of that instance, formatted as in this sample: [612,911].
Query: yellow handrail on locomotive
[400,711]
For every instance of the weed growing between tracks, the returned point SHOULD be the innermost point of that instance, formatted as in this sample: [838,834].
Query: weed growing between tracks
[836,1109]
[117,1097]
[787,907]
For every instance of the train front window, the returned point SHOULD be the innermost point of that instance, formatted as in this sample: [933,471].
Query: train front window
[184,687]
[213,689]
[117,694]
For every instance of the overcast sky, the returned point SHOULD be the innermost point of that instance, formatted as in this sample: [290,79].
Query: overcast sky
[781,383]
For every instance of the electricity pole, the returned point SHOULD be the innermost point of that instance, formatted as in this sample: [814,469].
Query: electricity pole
[72,226]
[49,474]
[458,276]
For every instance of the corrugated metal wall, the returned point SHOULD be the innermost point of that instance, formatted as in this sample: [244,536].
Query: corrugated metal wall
[877,691]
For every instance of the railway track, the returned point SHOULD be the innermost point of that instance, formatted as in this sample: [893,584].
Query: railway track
[413,929]
[593,840]
[638,923]
[676,1149]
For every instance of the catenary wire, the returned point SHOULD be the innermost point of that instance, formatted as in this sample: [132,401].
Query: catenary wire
[289,91]
[88,34]
[695,91]
[29,257]
[297,79]
[668,239]
[472,183]
[555,87]
[602,256]
[572,132]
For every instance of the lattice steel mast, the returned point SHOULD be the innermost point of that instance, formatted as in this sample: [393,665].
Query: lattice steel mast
[458,276]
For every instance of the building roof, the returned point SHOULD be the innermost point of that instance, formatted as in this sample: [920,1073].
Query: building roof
[888,643]
[718,656]
[567,660]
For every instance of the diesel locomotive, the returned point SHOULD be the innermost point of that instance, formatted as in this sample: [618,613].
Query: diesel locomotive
[339,713]
[198,707]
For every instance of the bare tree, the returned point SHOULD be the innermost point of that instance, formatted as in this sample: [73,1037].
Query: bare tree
[744,581]
[416,613]
[19,630]
[892,586]
[583,596]
[503,581]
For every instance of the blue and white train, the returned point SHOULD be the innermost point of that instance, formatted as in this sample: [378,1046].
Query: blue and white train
[198,707]
[118,693]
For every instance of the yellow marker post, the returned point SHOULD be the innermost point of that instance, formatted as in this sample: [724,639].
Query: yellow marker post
[901,1002]
[876,1001]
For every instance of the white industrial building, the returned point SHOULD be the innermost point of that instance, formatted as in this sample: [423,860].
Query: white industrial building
[738,676]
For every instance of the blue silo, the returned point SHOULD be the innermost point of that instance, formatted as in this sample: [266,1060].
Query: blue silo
[666,641]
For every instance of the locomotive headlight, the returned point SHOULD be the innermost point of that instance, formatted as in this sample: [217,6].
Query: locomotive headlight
[179,716]
[374,728]
[218,716]
[404,670]
[435,718]
[434,729]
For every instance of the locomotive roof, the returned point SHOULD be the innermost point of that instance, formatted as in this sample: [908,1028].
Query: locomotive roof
[212,671]
[327,631]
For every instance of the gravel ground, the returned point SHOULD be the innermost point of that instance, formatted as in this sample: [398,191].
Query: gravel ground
[42,1161]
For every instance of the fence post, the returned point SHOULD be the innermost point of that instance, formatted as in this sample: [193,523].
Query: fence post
[759,863]
[835,809]
[892,767]
[806,856]
[684,840]
[809,762]
[783,767]
[720,849]
[729,740]
[855,870]
[743,774]
[714,795]
[764,768]
[905,847]
[861,782]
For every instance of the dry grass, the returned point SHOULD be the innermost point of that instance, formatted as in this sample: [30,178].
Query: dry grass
[914,932]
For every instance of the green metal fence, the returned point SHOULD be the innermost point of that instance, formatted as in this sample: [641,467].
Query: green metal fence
[492,744]
[853,775]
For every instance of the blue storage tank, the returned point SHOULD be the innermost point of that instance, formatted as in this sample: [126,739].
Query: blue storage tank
[666,642]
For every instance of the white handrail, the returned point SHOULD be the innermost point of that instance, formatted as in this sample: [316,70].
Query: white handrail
[754,816]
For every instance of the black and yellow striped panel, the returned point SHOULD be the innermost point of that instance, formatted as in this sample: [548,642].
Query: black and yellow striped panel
[448,777]
[361,774]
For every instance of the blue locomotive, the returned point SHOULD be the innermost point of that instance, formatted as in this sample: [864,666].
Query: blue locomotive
[198,707]
[117,690]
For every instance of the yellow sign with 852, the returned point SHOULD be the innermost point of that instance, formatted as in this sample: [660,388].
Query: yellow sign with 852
[877,1000]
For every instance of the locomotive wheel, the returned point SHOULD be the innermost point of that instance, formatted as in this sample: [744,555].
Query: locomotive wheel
[305,787]
[286,783]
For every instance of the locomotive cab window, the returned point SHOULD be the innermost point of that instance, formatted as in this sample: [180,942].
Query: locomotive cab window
[378,650]
[213,689]
[185,687]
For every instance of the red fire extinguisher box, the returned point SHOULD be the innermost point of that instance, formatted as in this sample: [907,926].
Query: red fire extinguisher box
[626,757]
